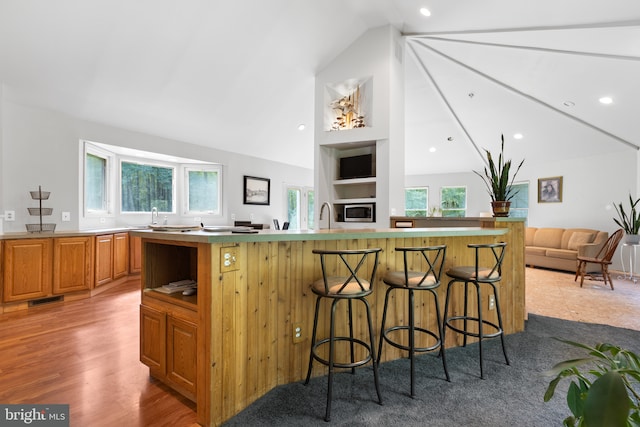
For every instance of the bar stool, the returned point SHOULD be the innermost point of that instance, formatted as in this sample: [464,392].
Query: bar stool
[349,287]
[477,275]
[411,281]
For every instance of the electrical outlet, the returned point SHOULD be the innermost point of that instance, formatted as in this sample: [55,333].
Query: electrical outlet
[492,302]
[103,220]
[251,217]
[297,332]
[9,215]
[233,217]
[66,216]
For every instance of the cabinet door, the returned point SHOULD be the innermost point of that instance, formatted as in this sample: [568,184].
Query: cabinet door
[27,269]
[120,255]
[153,343]
[135,254]
[181,353]
[104,259]
[72,264]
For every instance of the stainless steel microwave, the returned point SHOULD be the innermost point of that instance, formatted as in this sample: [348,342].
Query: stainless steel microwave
[365,212]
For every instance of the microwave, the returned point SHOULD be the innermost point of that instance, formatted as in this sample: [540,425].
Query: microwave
[365,212]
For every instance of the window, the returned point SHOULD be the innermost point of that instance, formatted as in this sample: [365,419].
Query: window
[453,201]
[416,201]
[97,175]
[203,187]
[145,186]
[300,208]
[520,202]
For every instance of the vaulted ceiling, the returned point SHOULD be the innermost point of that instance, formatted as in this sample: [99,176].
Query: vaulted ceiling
[239,75]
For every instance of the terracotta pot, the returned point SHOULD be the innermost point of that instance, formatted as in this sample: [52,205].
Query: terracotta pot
[500,208]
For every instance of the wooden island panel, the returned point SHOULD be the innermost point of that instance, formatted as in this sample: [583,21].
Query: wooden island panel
[255,308]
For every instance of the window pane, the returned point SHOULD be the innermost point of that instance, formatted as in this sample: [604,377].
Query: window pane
[203,191]
[416,201]
[293,207]
[95,183]
[521,199]
[145,187]
[311,209]
[453,201]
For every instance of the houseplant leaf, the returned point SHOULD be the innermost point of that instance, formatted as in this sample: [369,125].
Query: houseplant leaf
[607,403]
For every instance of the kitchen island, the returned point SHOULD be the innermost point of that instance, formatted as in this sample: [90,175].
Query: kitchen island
[247,330]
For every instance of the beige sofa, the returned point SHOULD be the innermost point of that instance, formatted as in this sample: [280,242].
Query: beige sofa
[558,248]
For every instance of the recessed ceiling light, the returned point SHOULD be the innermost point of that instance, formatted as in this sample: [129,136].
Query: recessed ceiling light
[606,100]
[301,126]
[432,149]
[450,138]
[517,135]
[425,11]
[568,103]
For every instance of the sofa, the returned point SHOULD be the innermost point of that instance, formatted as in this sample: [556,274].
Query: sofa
[559,248]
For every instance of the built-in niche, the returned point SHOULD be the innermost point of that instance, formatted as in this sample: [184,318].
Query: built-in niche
[348,105]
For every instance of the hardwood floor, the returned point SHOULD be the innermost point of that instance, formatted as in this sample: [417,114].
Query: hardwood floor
[86,354]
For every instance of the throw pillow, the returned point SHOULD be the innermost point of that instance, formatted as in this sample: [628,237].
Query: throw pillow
[579,238]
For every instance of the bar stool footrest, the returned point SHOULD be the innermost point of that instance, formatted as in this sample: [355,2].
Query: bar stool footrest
[406,347]
[448,323]
[345,365]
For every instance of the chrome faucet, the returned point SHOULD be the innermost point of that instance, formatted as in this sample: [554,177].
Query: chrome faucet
[330,213]
[154,215]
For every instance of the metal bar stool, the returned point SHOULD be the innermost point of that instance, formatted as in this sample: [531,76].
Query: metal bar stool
[477,275]
[426,280]
[349,287]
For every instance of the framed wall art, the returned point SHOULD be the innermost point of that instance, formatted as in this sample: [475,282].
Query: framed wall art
[550,190]
[257,191]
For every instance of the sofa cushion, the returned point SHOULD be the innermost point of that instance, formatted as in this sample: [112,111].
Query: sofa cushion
[535,250]
[529,232]
[570,232]
[548,237]
[562,253]
[580,238]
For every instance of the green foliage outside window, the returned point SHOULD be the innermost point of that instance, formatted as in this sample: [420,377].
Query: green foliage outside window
[203,191]
[453,201]
[95,183]
[145,187]
[416,201]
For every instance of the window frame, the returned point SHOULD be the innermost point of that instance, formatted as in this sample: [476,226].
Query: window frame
[109,187]
[152,163]
[463,210]
[186,168]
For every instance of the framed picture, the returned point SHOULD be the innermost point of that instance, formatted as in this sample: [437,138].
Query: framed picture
[257,191]
[550,190]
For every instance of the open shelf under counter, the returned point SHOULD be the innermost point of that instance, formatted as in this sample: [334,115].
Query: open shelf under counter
[186,301]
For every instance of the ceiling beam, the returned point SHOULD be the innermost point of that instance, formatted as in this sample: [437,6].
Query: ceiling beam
[523,94]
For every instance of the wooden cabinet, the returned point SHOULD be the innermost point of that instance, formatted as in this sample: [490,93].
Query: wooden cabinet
[27,269]
[72,264]
[168,346]
[135,254]
[104,259]
[120,255]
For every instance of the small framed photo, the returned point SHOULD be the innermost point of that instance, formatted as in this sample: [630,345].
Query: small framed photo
[257,191]
[550,190]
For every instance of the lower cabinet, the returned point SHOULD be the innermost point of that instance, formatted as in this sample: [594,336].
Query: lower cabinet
[104,259]
[168,346]
[27,269]
[72,264]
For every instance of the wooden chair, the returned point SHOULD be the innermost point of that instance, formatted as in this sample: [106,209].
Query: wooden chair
[603,258]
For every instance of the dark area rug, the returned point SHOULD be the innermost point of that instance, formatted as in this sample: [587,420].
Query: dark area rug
[508,396]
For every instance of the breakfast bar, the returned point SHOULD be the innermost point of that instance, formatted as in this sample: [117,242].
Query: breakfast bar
[248,327]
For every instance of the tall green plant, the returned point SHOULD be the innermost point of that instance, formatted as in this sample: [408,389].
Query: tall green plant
[496,177]
[629,223]
[604,394]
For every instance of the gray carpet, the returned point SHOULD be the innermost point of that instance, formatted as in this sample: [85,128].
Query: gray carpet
[508,396]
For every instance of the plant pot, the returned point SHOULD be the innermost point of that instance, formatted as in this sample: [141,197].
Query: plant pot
[500,208]
[632,239]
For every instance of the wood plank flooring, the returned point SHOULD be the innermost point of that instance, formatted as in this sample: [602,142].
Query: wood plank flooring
[86,354]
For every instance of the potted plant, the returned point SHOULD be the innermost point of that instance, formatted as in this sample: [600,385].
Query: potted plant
[499,183]
[629,223]
[604,394]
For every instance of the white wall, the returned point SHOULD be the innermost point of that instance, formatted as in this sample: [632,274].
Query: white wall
[41,147]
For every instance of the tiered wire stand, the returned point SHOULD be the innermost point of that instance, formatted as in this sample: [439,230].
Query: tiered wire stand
[40,212]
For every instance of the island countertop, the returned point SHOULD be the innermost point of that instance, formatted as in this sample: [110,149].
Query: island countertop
[269,235]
